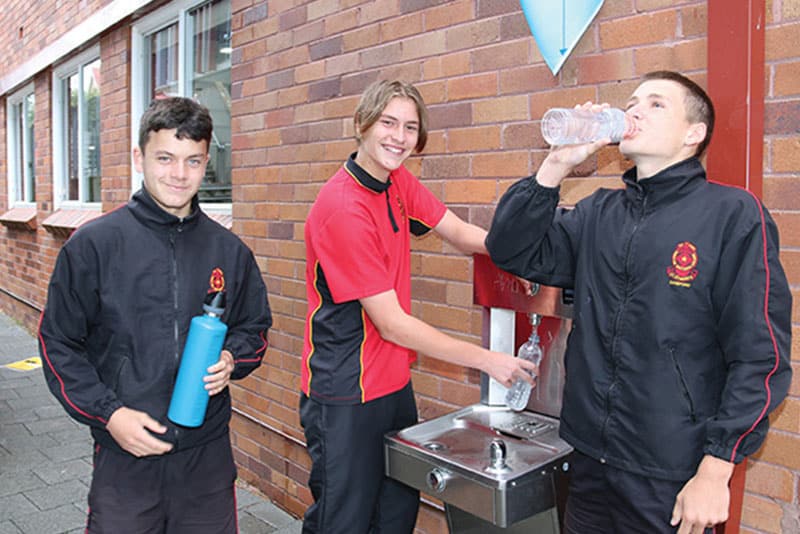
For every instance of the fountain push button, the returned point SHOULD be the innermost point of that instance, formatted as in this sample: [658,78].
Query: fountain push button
[437,479]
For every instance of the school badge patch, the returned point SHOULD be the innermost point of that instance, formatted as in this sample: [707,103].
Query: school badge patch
[684,262]
[217,280]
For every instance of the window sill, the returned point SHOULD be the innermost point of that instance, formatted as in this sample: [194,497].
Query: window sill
[64,221]
[225,219]
[19,219]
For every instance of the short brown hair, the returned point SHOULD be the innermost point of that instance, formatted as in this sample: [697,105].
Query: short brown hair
[187,117]
[378,95]
[699,107]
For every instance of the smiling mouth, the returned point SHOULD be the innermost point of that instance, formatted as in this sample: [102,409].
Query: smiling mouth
[179,188]
[394,150]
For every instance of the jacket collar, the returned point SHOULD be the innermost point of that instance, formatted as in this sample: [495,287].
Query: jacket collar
[673,182]
[145,209]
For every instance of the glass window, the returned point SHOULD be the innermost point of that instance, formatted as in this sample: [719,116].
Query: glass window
[163,52]
[210,73]
[21,146]
[76,145]
[186,51]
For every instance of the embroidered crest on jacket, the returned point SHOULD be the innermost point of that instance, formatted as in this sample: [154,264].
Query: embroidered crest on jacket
[684,262]
[217,280]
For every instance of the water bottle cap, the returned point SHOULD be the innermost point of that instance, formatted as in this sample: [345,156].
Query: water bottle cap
[214,303]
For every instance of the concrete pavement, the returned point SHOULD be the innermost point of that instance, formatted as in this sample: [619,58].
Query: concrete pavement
[45,457]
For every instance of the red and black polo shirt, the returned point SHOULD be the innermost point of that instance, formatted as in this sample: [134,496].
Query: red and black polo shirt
[357,236]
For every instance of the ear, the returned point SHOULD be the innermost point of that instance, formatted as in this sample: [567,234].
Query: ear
[138,158]
[695,134]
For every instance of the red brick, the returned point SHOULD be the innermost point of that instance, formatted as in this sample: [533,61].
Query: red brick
[322,8]
[565,97]
[473,35]
[616,65]
[694,20]
[479,85]
[501,56]
[429,44]
[402,26]
[447,65]
[337,23]
[446,267]
[527,79]
[780,41]
[647,28]
[379,10]
[449,14]
[681,56]
[500,109]
[762,514]
[473,139]
[506,163]
[469,191]
[787,79]
[781,449]
[785,154]
[787,416]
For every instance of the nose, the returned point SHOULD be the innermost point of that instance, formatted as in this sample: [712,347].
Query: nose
[635,111]
[178,169]
[399,133]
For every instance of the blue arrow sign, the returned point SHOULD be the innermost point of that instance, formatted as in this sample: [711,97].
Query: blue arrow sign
[558,26]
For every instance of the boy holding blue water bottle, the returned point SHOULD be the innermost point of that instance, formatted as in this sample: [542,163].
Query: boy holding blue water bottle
[122,294]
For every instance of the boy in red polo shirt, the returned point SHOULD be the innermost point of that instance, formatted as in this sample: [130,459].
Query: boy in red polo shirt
[359,335]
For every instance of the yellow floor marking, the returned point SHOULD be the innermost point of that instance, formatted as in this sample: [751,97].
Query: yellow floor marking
[28,364]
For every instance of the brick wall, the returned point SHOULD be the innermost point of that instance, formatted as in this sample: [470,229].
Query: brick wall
[30,26]
[30,255]
[115,114]
[773,481]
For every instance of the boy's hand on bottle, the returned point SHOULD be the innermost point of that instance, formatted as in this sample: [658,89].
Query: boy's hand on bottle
[506,369]
[219,374]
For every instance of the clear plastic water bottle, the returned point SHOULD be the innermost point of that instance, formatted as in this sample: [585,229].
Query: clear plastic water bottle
[189,400]
[564,126]
[518,394]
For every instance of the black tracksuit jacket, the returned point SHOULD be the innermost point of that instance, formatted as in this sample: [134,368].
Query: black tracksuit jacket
[680,343]
[123,292]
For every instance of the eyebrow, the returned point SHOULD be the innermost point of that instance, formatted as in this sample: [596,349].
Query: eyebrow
[387,116]
[168,153]
[634,98]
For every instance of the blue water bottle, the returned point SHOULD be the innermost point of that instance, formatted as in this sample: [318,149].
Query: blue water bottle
[203,345]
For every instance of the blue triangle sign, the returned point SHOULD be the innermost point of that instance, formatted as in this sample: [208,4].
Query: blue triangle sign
[557,26]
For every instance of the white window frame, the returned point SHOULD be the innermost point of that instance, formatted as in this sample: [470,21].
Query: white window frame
[12,144]
[60,162]
[177,11]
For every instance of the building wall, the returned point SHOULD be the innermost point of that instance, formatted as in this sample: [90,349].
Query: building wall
[30,26]
[298,69]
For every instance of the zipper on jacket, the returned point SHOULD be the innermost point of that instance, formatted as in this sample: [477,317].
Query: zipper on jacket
[618,321]
[684,385]
[175,325]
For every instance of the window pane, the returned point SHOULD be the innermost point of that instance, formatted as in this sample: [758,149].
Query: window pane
[73,95]
[30,154]
[210,67]
[91,131]
[164,62]
[19,126]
